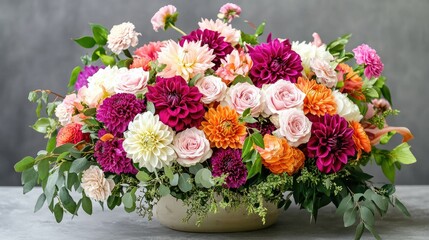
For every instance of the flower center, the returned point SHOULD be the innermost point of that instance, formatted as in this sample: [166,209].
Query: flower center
[173,98]
[276,64]
[227,126]
[148,141]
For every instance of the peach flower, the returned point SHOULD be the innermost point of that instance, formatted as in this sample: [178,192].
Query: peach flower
[237,63]
[95,185]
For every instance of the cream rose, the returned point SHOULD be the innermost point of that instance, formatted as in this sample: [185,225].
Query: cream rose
[294,126]
[326,74]
[346,108]
[212,88]
[133,81]
[92,96]
[95,185]
[191,147]
[242,96]
[282,95]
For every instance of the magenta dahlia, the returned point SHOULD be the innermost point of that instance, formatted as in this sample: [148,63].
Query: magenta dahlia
[118,110]
[228,161]
[213,40]
[265,127]
[112,157]
[177,104]
[82,78]
[331,143]
[274,60]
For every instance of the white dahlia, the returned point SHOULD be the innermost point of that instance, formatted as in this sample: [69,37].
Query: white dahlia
[106,79]
[308,52]
[185,61]
[148,142]
[346,108]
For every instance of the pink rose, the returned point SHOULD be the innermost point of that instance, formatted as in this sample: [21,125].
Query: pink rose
[294,126]
[192,147]
[243,96]
[326,74]
[212,88]
[159,19]
[282,95]
[134,81]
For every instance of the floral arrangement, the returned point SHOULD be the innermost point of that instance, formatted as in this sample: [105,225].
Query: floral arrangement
[218,113]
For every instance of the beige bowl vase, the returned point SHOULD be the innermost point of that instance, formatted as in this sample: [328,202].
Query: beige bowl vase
[170,212]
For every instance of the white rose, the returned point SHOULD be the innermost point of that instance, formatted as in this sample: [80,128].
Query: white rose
[133,81]
[242,96]
[106,79]
[326,74]
[346,108]
[294,126]
[95,185]
[192,147]
[212,88]
[282,95]
[92,95]
[122,37]
[308,51]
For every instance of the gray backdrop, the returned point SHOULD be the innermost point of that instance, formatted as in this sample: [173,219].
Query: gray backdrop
[36,52]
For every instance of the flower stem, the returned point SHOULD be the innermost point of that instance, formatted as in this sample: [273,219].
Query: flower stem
[177,29]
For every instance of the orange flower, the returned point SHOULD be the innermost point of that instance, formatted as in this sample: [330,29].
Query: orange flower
[360,139]
[319,99]
[279,157]
[72,133]
[222,128]
[352,81]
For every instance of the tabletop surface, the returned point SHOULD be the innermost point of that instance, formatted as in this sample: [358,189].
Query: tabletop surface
[17,221]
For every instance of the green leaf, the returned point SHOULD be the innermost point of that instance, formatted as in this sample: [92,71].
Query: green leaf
[248,38]
[175,180]
[50,187]
[24,164]
[129,200]
[107,60]
[258,139]
[97,53]
[50,145]
[195,168]
[386,93]
[249,119]
[367,216]
[86,204]
[100,34]
[40,200]
[128,54]
[241,79]
[85,41]
[255,168]
[403,154]
[359,231]
[125,63]
[345,204]
[260,30]
[39,107]
[349,217]
[43,169]
[184,184]
[58,212]
[29,179]
[42,125]
[72,179]
[68,203]
[389,170]
[168,172]
[73,77]
[381,202]
[63,148]
[247,147]
[150,107]
[79,165]
[143,176]
[32,96]
[194,79]
[204,177]
[163,190]
[402,207]
[90,112]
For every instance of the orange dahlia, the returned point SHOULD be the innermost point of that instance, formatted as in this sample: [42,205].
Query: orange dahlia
[360,139]
[279,157]
[352,81]
[222,128]
[319,99]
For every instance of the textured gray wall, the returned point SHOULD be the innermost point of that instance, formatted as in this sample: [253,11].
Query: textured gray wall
[36,52]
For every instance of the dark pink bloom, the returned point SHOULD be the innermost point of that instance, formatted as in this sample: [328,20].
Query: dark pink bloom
[112,157]
[274,60]
[228,161]
[368,56]
[331,143]
[177,104]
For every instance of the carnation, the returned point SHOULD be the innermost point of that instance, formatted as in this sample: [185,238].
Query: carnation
[84,74]
[228,161]
[308,52]
[177,104]
[368,56]
[346,108]
[144,55]
[95,185]
[191,147]
[282,95]
[148,142]
[112,157]
[118,110]
[165,15]
[122,37]
[185,61]
[134,81]
[212,88]
[230,34]
[274,60]
[66,109]
[242,96]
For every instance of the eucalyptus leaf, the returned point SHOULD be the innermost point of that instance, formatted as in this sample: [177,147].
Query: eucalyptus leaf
[195,168]
[143,176]
[127,200]
[349,217]
[68,203]
[184,184]
[79,165]
[163,190]
[150,107]
[175,180]
[24,164]
[43,168]
[58,212]
[402,207]
[40,200]
[367,216]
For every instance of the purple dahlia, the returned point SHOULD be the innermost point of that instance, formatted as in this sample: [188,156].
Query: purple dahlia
[265,127]
[228,161]
[177,104]
[82,78]
[213,40]
[331,143]
[112,157]
[119,110]
[274,60]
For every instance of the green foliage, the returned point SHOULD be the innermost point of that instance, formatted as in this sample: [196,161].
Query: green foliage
[337,48]
[85,41]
